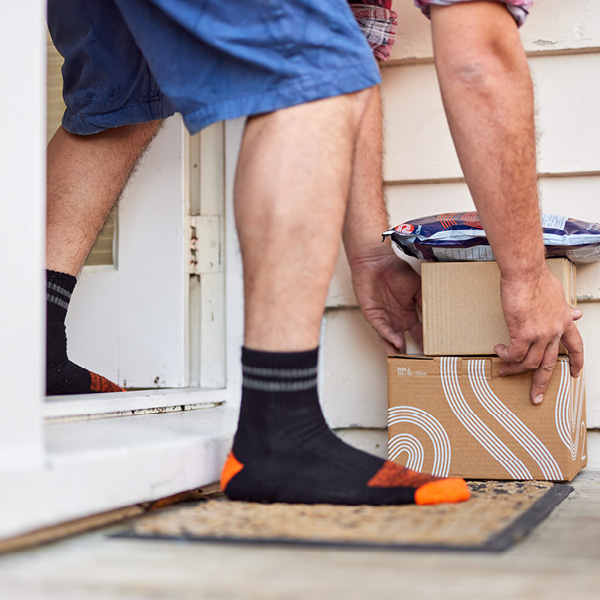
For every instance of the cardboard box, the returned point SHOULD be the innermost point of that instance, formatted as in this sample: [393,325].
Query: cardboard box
[456,416]
[462,314]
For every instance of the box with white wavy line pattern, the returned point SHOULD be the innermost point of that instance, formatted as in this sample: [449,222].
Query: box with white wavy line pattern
[454,415]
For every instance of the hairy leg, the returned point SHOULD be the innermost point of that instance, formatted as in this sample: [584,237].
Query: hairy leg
[85,177]
[292,187]
[291,190]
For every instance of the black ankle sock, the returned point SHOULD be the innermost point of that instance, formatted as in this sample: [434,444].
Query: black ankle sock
[63,376]
[284,451]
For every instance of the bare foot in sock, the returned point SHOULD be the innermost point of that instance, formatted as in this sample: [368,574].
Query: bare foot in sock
[63,376]
[284,451]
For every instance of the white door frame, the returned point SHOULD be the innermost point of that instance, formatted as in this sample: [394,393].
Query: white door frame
[22,248]
[70,457]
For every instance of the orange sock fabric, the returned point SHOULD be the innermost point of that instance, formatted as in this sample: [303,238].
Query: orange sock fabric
[99,384]
[428,489]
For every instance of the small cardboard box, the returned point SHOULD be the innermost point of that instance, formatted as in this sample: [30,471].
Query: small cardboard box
[462,314]
[455,416]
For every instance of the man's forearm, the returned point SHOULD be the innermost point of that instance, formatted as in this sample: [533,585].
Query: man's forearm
[488,97]
[366,215]
[387,289]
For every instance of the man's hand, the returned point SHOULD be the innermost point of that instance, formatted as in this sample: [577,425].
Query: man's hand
[388,292]
[538,319]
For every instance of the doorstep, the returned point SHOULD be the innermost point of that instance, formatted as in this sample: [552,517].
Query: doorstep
[97,465]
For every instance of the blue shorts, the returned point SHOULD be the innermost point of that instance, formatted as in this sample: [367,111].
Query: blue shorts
[130,61]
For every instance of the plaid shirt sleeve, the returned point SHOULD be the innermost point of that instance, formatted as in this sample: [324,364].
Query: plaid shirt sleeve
[519,9]
[378,23]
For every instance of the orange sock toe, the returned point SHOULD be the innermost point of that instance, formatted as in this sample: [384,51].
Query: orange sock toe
[103,385]
[443,490]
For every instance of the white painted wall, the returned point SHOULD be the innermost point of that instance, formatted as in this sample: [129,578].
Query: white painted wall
[422,176]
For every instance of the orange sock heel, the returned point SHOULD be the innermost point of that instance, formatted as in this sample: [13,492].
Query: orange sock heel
[231,468]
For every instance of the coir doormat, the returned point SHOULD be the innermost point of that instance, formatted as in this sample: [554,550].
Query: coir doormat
[497,515]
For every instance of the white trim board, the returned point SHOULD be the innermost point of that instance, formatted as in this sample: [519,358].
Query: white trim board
[22,180]
[102,464]
[131,402]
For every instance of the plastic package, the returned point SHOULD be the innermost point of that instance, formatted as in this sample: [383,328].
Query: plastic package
[460,237]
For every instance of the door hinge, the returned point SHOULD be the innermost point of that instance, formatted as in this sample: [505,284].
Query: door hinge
[204,237]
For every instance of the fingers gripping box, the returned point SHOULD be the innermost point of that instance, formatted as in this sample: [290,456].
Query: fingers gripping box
[455,416]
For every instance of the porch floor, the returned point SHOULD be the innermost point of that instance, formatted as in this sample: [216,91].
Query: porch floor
[559,559]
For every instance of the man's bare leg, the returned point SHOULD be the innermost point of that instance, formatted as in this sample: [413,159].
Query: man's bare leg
[291,190]
[85,178]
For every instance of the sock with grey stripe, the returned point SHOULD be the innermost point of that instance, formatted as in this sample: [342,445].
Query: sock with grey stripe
[63,376]
[284,451]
